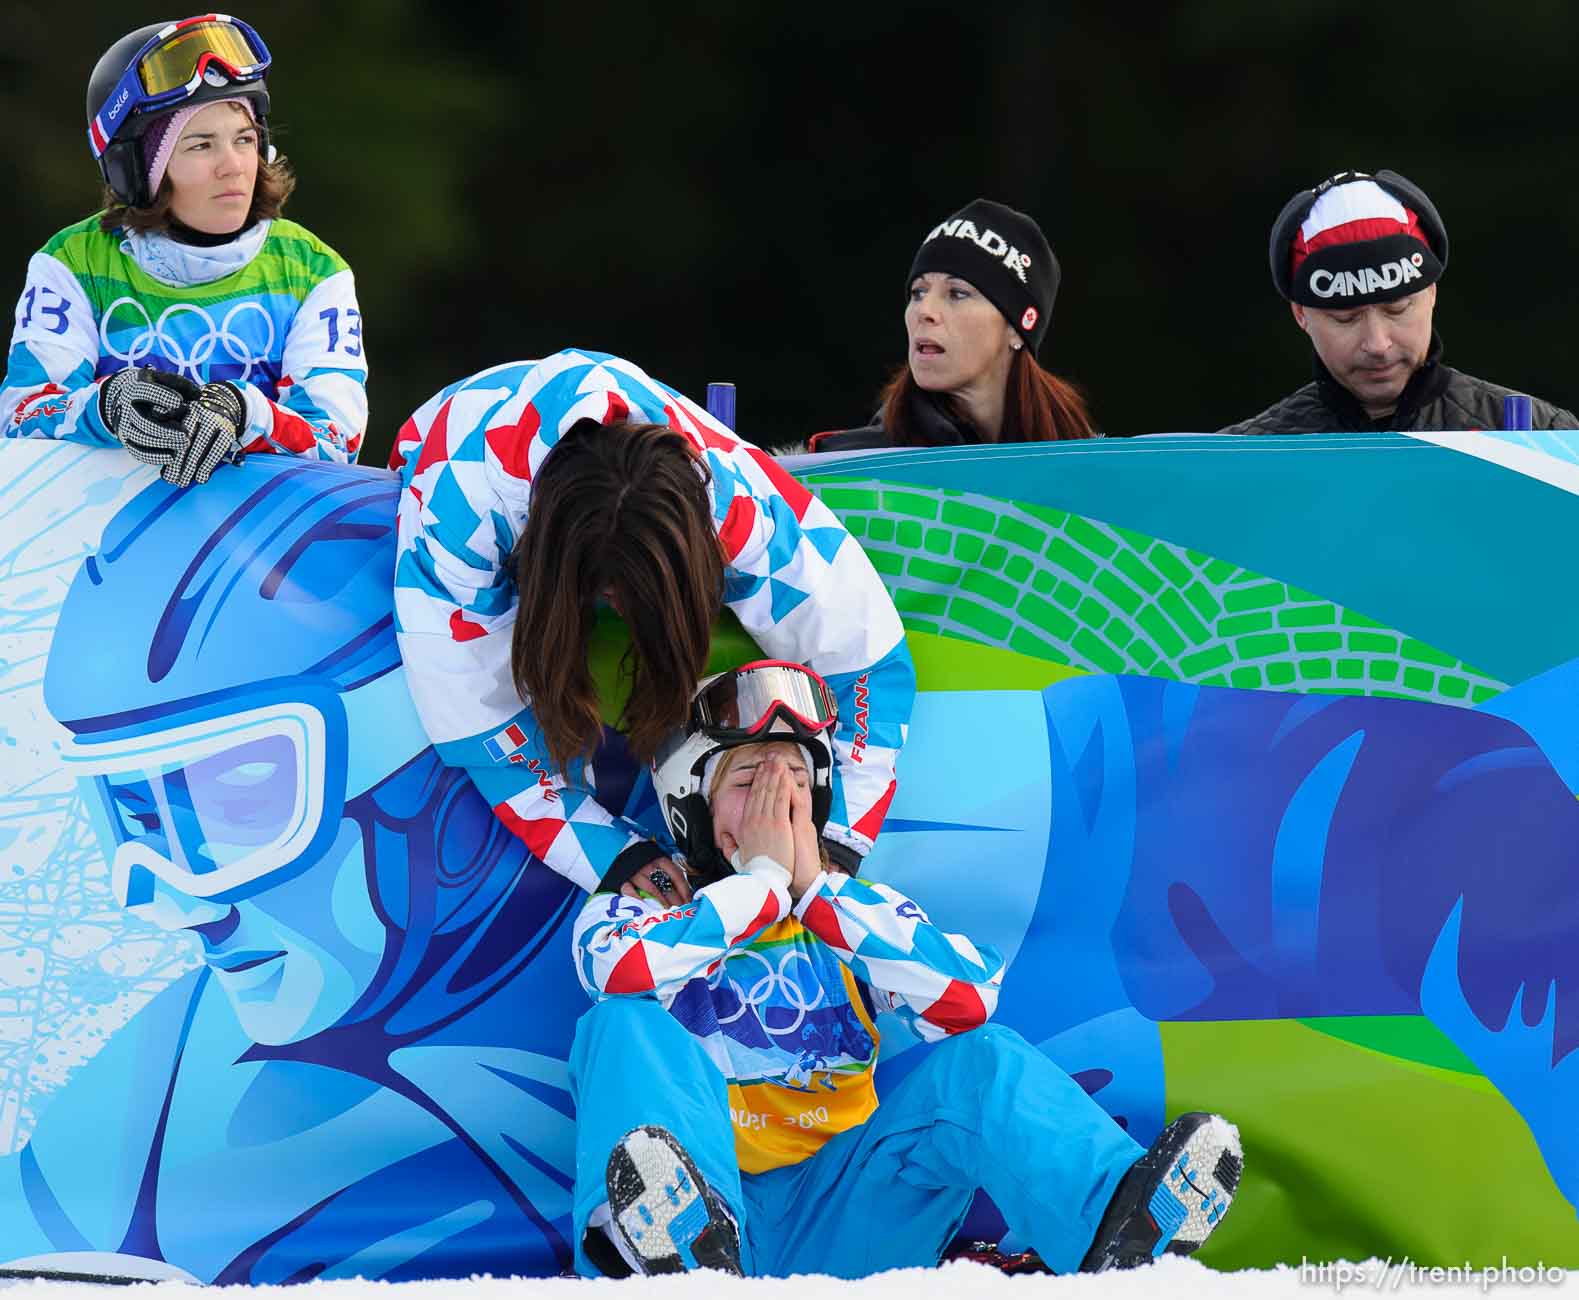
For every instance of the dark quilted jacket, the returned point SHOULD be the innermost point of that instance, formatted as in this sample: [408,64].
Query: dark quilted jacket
[1436,397]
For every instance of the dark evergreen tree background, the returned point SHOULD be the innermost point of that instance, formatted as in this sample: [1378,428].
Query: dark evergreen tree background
[734,190]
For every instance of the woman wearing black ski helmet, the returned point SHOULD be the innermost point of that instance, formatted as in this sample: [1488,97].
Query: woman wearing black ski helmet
[187,322]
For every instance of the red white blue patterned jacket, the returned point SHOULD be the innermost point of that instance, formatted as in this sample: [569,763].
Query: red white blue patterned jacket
[782,996]
[800,585]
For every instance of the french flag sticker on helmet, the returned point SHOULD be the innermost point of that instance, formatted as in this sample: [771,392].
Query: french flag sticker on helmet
[503,745]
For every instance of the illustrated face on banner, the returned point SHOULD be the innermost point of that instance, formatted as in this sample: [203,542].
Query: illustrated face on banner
[293,957]
[230,827]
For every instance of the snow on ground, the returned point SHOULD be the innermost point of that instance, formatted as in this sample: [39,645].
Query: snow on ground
[1175,1279]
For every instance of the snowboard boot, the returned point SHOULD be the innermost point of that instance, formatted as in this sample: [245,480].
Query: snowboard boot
[1172,1197]
[669,1220]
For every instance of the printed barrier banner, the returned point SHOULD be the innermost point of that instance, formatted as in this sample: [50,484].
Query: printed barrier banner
[1258,758]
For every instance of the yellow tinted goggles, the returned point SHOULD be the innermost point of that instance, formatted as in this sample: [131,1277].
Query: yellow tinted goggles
[180,58]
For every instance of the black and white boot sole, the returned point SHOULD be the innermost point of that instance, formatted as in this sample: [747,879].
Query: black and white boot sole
[668,1219]
[1174,1196]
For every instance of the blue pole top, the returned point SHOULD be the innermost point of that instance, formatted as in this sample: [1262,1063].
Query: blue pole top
[721,404]
[1517,412]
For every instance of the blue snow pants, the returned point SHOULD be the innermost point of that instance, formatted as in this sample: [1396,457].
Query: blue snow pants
[985,1109]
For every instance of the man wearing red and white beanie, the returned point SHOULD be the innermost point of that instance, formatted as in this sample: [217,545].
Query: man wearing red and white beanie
[1358,258]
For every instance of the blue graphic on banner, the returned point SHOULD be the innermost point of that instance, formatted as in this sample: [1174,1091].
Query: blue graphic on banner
[369,1047]
[304,1006]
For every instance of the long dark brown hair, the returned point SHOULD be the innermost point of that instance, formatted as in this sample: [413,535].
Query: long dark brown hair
[1038,406]
[273,186]
[623,510]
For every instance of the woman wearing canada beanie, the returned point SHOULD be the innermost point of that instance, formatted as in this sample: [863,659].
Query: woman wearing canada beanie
[979,296]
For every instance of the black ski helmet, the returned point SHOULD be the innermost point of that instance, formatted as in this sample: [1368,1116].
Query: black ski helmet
[122,164]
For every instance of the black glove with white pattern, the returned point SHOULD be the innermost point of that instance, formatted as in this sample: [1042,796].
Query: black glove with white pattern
[144,409]
[213,424]
[169,422]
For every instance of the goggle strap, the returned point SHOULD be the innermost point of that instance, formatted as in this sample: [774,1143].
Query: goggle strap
[801,728]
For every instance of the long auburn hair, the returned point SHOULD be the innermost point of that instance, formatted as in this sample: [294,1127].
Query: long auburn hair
[1038,406]
[622,509]
[273,186]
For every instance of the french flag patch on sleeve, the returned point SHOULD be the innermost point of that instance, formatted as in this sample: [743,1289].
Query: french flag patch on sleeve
[504,745]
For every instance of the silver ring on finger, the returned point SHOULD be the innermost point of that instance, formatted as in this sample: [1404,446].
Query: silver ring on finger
[662,881]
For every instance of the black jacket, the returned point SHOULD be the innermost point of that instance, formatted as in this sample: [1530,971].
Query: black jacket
[935,426]
[1436,397]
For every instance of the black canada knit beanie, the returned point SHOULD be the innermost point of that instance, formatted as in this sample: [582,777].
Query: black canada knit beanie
[1005,255]
[1357,239]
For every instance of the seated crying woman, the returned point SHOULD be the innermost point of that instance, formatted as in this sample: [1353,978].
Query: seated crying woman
[727,1115]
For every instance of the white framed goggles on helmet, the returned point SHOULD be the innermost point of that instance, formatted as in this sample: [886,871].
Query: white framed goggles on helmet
[742,704]
[172,64]
[215,806]
[763,701]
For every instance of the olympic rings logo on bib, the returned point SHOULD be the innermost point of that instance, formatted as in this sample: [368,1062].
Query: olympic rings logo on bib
[193,352]
[777,986]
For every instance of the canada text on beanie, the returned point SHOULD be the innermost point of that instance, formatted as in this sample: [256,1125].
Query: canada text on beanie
[1355,240]
[1004,254]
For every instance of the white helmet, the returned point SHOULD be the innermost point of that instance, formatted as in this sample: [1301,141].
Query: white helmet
[765,700]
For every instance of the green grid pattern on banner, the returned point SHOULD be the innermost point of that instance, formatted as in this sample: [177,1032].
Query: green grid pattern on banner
[1055,585]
